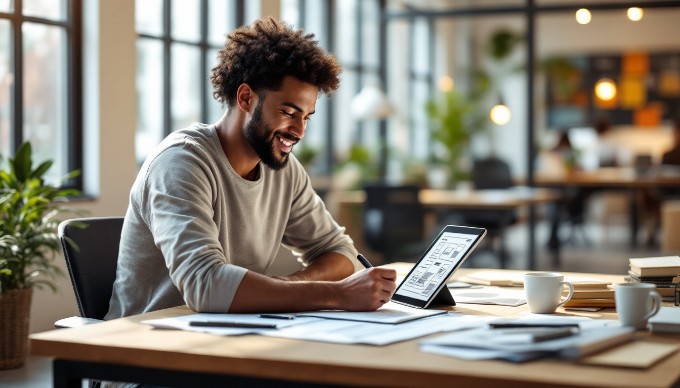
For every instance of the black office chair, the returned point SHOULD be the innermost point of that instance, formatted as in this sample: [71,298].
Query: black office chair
[90,248]
[491,173]
[394,221]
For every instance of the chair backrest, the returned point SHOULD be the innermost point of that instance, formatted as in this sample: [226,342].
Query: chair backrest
[393,217]
[92,261]
[491,173]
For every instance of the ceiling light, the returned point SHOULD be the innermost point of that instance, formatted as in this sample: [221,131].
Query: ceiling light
[605,89]
[635,14]
[500,114]
[446,83]
[583,16]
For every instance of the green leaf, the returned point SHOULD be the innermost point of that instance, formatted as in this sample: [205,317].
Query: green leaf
[21,164]
[41,170]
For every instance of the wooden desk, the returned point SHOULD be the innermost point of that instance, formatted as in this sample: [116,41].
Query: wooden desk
[505,199]
[609,177]
[615,178]
[125,349]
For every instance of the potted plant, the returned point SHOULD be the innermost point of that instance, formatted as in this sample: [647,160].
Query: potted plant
[28,241]
[455,119]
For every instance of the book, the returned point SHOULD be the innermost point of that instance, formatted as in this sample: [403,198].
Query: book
[590,302]
[589,285]
[664,289]
[604,293]
[502,278]
[667,320]
[655,266]
[655,279]
[637,354]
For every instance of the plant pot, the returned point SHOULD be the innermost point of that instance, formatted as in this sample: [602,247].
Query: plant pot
[15,310]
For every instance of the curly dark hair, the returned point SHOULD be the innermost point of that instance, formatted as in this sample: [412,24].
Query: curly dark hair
[262,54]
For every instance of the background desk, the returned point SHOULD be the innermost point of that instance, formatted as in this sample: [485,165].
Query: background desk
[126,348]
[432,200]
[613,178]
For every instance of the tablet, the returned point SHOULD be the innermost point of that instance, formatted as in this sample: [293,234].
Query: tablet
[427,279]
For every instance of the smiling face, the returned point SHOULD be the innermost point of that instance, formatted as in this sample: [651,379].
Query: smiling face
[279,121]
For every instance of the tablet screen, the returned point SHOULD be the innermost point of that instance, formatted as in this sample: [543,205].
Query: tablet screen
[448,251]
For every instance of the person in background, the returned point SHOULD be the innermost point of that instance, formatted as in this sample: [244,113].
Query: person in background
[213,203]
[651,199]
[672,156]
[606,149]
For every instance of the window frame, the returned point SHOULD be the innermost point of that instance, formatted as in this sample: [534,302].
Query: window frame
[72,26]
[204,45]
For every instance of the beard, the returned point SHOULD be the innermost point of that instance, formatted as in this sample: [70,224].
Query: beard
[263,144]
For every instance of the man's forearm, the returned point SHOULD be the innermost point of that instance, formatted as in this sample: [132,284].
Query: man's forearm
[329,266]
[362,291]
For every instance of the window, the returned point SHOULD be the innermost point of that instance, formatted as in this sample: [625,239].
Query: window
[421,60]
[40,78]
[357,37]
[313,17]
[177,47]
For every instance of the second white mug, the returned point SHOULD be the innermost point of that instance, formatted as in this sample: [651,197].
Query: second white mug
[544,291]
[636,303]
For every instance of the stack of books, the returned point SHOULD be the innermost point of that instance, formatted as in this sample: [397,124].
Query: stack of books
[662,271]
[591,295]
[667,320]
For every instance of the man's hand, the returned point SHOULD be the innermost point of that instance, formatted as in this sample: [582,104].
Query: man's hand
[367,290]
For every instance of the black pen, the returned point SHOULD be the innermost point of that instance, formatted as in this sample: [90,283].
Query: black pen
[277,316]
[243,325]
[364,261]
[529,325]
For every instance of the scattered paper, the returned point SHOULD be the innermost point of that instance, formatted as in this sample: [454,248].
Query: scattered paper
[390,312]
[490,295]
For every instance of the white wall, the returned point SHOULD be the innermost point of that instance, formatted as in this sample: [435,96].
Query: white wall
[558,33]
[608,32]
[109,133]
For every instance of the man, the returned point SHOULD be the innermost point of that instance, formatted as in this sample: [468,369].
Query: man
[213,203]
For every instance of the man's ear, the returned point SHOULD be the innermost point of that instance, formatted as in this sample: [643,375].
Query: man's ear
[246,98]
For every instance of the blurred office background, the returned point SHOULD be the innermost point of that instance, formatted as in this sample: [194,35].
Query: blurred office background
[96,84]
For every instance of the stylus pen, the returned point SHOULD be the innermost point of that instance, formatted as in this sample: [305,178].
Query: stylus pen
[364,261]
[244,325]
[277,316]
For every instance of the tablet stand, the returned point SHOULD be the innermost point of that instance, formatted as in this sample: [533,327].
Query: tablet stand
[443,298]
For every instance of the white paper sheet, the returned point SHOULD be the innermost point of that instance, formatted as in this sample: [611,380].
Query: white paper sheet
[390,312]
[479,343]
[489,295]
[330,330]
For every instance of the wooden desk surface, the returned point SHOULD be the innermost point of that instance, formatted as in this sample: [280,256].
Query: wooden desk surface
[625,177]
[126,341]
[472,199]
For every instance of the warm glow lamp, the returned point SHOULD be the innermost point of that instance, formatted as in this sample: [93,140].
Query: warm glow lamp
[635,14]
[446,84]
[583,16]
[605,89]
[500,114]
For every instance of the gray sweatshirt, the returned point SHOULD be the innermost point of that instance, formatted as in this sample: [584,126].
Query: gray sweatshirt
[193,226]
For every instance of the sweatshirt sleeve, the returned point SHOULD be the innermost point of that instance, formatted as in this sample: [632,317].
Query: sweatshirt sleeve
[311,230]
[178,209]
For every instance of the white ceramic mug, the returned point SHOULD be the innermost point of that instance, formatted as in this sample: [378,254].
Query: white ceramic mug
[636,303]
[544,291]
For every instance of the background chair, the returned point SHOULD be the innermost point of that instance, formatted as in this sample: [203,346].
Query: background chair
[491,173]
[394,221]
[90,248]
